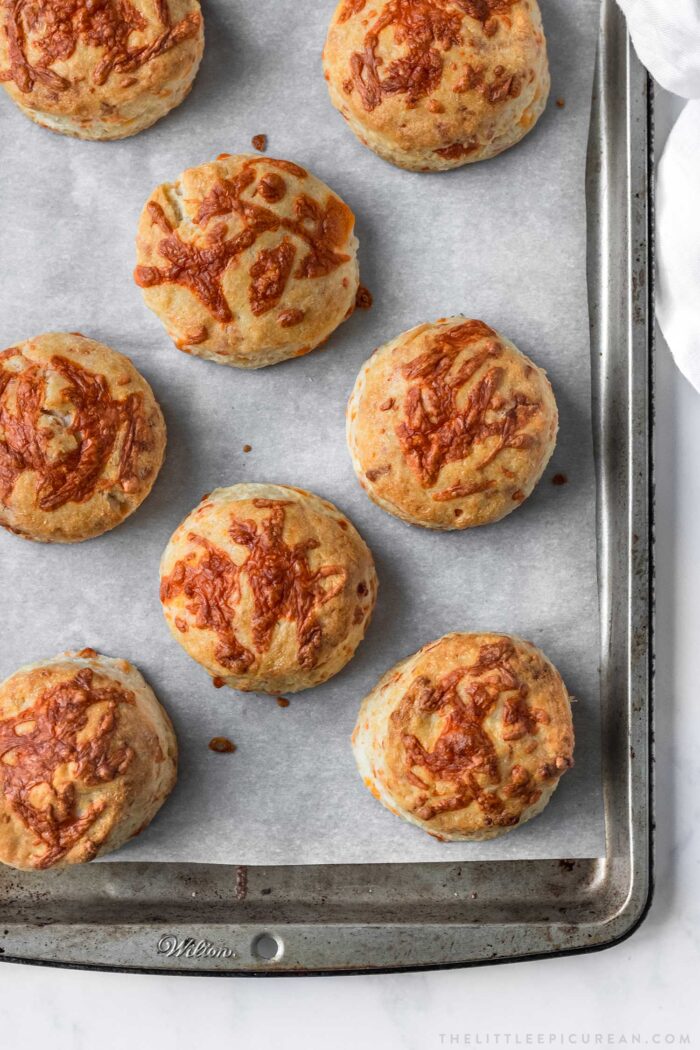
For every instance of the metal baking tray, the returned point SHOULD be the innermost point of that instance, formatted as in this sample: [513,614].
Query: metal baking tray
[216,919]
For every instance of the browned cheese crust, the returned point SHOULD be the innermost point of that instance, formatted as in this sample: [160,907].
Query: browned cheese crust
[87,758]
[468,738]
[269,588]
[248,260]
[99,69]
[450,426]
[81,438]
[434,84]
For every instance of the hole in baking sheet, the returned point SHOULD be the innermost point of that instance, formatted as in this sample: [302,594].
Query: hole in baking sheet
[268,948]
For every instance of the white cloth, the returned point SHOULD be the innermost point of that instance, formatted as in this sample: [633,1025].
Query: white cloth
[678,242]
[666,36]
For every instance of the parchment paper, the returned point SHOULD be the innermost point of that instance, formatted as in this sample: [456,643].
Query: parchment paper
[503,241]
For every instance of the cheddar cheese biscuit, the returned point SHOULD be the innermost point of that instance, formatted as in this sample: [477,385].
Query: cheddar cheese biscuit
[433,84]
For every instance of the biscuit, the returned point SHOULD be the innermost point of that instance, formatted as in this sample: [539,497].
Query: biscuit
[81,438]
[431,85]
[468,738]
[269,588]
[450,426]
[99,69]
[248,260]
[87,758]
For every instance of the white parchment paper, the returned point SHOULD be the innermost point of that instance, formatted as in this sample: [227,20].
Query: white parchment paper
[503,241]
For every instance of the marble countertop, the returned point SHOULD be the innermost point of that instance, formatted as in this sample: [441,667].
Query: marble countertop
[643,991]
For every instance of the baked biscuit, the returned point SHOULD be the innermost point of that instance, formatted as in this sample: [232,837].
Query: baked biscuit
[247,260]
[434,84]
[450,426]
[87,758]
[99,69]
[81,438]
[468,738]
[270,588]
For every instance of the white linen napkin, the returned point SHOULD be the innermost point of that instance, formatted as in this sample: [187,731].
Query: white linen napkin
[666,36]
[678,242]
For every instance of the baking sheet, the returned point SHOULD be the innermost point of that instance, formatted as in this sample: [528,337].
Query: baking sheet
[503,241]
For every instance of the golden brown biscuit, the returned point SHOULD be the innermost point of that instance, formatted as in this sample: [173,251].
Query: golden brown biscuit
[81,438]
[450,426]
[87,758]
[247,260]
[433,84]
[269,588]
[467,738]
[99,69]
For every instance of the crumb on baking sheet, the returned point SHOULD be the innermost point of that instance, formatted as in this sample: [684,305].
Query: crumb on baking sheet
[282,701]
[363,299]
[247,448]
[222,745]
[259,143]
[561,103]
[559,479]
[218,683]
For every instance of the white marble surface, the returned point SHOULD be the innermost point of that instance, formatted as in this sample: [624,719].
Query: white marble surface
[645,989]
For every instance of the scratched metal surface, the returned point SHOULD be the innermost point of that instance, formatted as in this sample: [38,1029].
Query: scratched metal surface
[340,918]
